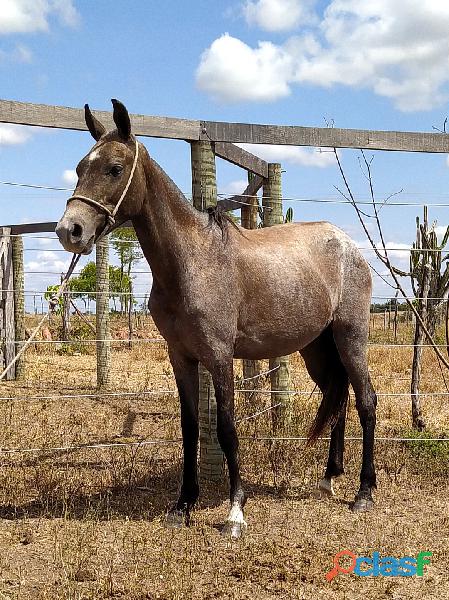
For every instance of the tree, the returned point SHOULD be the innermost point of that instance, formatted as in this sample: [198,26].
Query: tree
[125,243]
[84,286]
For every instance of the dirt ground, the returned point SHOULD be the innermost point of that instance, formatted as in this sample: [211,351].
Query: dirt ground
[88,523]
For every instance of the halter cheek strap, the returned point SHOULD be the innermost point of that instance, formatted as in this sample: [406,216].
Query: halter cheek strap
[110,214]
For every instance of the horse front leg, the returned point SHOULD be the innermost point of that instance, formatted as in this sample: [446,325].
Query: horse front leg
[223,379]
[186,375]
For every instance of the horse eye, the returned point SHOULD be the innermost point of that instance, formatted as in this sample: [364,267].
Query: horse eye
[115,171]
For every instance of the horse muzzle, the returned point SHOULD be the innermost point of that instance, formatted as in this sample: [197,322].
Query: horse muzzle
[75,235]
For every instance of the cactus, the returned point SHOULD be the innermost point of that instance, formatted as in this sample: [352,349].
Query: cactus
[429,275]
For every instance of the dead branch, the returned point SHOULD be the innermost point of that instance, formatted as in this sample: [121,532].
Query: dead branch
[385,259]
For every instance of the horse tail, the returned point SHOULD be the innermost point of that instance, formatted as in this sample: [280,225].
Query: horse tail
[335,396]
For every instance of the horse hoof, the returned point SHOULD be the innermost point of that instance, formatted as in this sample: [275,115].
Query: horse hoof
[175,519]
[325,487]
[362,505]
[234,529]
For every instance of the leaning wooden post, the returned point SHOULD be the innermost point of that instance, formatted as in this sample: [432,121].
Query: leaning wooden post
[249,214]
[19,300]
[204,194]
[7,322]
[102,313]
[280,375]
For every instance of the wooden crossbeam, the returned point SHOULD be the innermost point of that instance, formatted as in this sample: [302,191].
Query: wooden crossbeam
[241,158]
[46,227]
[325,137]
[235,202]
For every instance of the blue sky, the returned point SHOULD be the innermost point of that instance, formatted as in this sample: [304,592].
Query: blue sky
[372,64]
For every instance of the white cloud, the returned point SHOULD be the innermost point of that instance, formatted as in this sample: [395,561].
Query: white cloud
[399,50]
[238,186]
[232,71]
[44,241]
[70,177]
[11,135]
[19,54]
[398,253]
[277,15]
[24,16]
[49,261]
[297,155]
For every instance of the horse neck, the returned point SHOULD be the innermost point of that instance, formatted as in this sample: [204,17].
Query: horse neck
[168,227]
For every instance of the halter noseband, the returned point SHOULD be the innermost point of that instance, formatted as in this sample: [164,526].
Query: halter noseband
[110,214]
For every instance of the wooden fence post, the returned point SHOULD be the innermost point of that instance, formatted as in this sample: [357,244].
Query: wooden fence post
[19,301]
[65,314]
[7,329]
[102,313]
[280,376]
[204,194]
[249,214]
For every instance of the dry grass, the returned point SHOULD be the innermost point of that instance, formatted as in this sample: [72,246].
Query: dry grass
[87,524]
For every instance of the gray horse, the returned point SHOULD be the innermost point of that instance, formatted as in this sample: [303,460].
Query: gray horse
[221,292]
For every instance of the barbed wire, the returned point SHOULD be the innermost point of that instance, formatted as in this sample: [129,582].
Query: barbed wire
[162,441]
[143,443]
[162,341]
[87,395]
[74,294]
[173,391]
[317,199]
[361,248]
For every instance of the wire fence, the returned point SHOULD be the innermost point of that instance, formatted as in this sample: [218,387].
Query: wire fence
[404,250]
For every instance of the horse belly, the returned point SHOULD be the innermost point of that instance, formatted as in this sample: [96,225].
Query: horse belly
[268,342]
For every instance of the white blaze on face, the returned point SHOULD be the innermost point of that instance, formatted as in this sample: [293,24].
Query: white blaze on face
[236,514]
[93,155]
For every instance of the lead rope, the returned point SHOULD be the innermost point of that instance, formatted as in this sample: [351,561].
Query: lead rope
[51,306]
[75,258]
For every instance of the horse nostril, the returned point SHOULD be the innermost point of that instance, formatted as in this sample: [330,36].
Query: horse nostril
[76,232]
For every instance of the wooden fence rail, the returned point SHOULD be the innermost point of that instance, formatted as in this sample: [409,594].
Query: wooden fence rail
[43,115]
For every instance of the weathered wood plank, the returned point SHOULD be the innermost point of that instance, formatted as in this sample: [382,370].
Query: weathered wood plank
[46,227]
[325,137]
[204,195]
[7,295]
[235,202]
[19,301]
[44,115]
[279,377]
[241,158]
[102,313]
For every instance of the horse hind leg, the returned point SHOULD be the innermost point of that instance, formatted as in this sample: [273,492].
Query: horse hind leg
[324,366]
[351,341]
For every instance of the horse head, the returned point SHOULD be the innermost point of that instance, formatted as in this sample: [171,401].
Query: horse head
[110,184]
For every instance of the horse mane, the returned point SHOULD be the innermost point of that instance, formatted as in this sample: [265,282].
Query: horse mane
[219,217]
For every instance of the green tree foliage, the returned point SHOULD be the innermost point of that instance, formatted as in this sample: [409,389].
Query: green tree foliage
[84,286]
[124,242]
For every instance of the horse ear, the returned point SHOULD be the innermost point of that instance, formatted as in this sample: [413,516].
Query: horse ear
[121,119]
[96,128]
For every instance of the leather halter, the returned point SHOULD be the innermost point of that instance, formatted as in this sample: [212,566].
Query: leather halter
[110,214]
